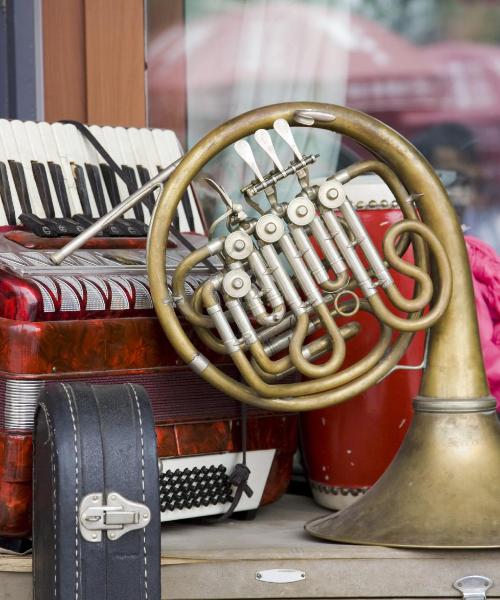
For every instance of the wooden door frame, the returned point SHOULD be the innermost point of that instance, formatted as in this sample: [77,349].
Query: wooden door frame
[94,66]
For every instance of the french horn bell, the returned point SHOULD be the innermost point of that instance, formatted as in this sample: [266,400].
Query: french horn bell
[304,262]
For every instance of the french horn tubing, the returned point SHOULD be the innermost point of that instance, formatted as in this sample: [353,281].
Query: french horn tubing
[306,261]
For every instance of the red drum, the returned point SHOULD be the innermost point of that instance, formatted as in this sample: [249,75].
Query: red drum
[346,448]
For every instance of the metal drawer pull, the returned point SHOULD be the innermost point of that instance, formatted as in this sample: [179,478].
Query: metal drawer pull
[280,575]
[473,587]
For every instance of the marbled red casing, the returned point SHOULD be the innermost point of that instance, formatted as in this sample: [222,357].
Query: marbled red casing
[112,346]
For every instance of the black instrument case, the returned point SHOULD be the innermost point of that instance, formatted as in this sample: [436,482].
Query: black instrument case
[96,514]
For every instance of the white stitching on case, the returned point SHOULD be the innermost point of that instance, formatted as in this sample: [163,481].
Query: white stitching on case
[131,387]
[54,489]
[77,553]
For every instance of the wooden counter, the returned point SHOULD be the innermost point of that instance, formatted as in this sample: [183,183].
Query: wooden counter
[202,561]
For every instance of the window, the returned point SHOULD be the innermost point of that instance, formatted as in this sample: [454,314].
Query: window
[429,68]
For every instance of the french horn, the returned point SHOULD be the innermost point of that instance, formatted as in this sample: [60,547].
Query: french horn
[288,276]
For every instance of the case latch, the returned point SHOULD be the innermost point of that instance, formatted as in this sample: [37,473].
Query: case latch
[117,516]
[473,587]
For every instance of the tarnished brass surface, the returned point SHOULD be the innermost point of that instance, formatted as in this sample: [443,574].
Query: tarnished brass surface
[441,490]
[452,343]
[443,487]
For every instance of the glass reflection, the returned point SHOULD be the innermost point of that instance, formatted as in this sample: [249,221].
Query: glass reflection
[429,68]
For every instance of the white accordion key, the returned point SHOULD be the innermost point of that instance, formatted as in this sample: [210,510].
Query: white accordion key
[65,159]
[32,203]
[128,141]
[168,150]
[145,164]
[245,152]
[150,159]
[111,144]
[52,170]
[39,155]
[53,161]
[77,154]
[264,140]
[283,129]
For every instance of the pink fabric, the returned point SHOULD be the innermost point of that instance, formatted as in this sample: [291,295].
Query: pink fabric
[485,265]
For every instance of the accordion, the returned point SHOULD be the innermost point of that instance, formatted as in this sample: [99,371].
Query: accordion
[91,319]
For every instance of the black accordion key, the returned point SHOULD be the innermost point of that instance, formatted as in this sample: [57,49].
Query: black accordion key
[97,189]
[129,228]
[58,226]
[149,200]
[81,187]
[110,183]
[60,187]
[140,226]
[72,227]
[85,221]
[6,195]
[42,184]
[20,182]
[132,187]
[188,210]
[38,226]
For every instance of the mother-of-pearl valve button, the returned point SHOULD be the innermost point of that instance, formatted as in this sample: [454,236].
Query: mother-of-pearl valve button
[236,283]
[270,228]
[238,245]
[331,194]
[301,211]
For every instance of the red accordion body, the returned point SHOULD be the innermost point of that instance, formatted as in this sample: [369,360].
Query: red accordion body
[92,320]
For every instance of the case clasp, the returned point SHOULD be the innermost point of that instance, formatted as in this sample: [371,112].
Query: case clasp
[117,516]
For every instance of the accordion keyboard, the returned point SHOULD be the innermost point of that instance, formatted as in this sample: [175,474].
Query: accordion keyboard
[88,284]
[52,171]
